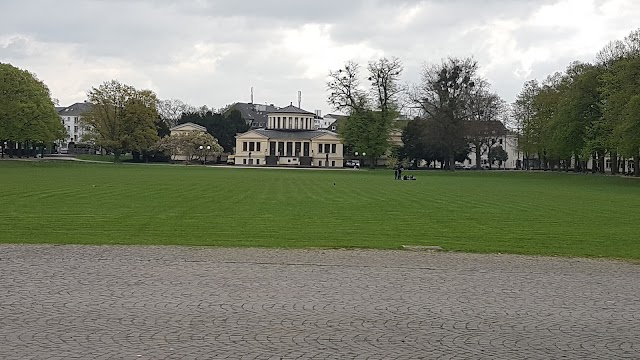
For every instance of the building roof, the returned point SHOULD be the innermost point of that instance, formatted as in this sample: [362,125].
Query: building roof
[294,135]
[253,113]
[189,124]
[292,110]
[77,109]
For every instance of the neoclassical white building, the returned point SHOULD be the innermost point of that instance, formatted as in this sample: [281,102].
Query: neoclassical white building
[290,139]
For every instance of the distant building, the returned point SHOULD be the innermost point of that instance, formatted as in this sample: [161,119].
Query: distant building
[289,139]
[255,115]
[71,119]
[185,129]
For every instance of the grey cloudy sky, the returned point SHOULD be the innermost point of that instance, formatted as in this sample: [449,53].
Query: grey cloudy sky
[211,52]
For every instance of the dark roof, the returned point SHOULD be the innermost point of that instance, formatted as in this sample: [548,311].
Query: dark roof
[253,113]
[76,109]
[336,116]
[292,110]
[304,134]
[58,108]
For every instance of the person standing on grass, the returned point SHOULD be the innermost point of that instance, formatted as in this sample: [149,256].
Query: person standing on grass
[400,173]
[395,172]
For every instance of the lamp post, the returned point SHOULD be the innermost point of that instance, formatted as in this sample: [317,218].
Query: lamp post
[202,149]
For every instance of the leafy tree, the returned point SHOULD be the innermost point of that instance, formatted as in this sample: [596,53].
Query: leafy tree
[224,128]
[443,95]
[122,118]
[620,91]
[188,145]
[372,113]
[497,153]
[524,114]
[423,141]
[27,113]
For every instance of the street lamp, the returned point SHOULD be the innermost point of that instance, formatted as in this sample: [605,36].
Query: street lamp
[202,149]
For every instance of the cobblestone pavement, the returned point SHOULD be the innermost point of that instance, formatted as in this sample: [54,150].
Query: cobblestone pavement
[86,302]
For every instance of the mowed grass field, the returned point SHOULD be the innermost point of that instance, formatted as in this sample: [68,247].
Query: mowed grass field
[495,212]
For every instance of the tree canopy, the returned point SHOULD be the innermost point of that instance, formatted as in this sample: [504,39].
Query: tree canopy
[27,113]
[122,118]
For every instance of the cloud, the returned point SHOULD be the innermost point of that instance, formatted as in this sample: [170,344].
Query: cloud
[212,52]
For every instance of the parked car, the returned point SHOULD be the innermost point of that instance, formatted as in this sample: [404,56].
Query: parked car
[352,163]
[231,160]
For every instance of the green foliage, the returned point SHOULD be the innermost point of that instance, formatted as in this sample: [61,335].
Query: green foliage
[586,112]
[372,113]
[188,144]
[511,212]
[27,112]
[444,96]
[498,154]
[222,127]
[122,119]
[368,132]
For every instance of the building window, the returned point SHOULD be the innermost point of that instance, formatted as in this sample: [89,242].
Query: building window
[250,161]
[320,163]
[257,146]
[319,148]
[244,146]
[252,146]
[333,148]
[290,122]
[333,164]
[327,148]
[500,141]
[75,129]
[278,122]
[244,161]
[257,161]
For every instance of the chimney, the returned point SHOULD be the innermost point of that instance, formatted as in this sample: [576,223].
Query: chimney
[319,113]
[299,99]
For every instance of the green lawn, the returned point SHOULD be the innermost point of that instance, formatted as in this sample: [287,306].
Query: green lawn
[524,213]
[103,158]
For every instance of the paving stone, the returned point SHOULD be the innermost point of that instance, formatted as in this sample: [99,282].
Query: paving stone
[139,302]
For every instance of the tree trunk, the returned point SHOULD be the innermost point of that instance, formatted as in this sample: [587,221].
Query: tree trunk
[2,147]
[11,147]
[478,158]
[116,156]
[452,162]
[614,163]
[636,165]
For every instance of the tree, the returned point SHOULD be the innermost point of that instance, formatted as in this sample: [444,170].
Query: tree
[122,118]
[497,153]
[224,128]
[171,111]
[188,145]
[27,113]
[443,95]
[484,124]
[423,140]
[371,113]
[523,113]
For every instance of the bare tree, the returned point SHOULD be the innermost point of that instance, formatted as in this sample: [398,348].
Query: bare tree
[345,92]
[386,89]
[171,110]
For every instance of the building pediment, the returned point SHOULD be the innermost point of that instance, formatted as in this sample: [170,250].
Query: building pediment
[188,127]
[327,136]
[251,134]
